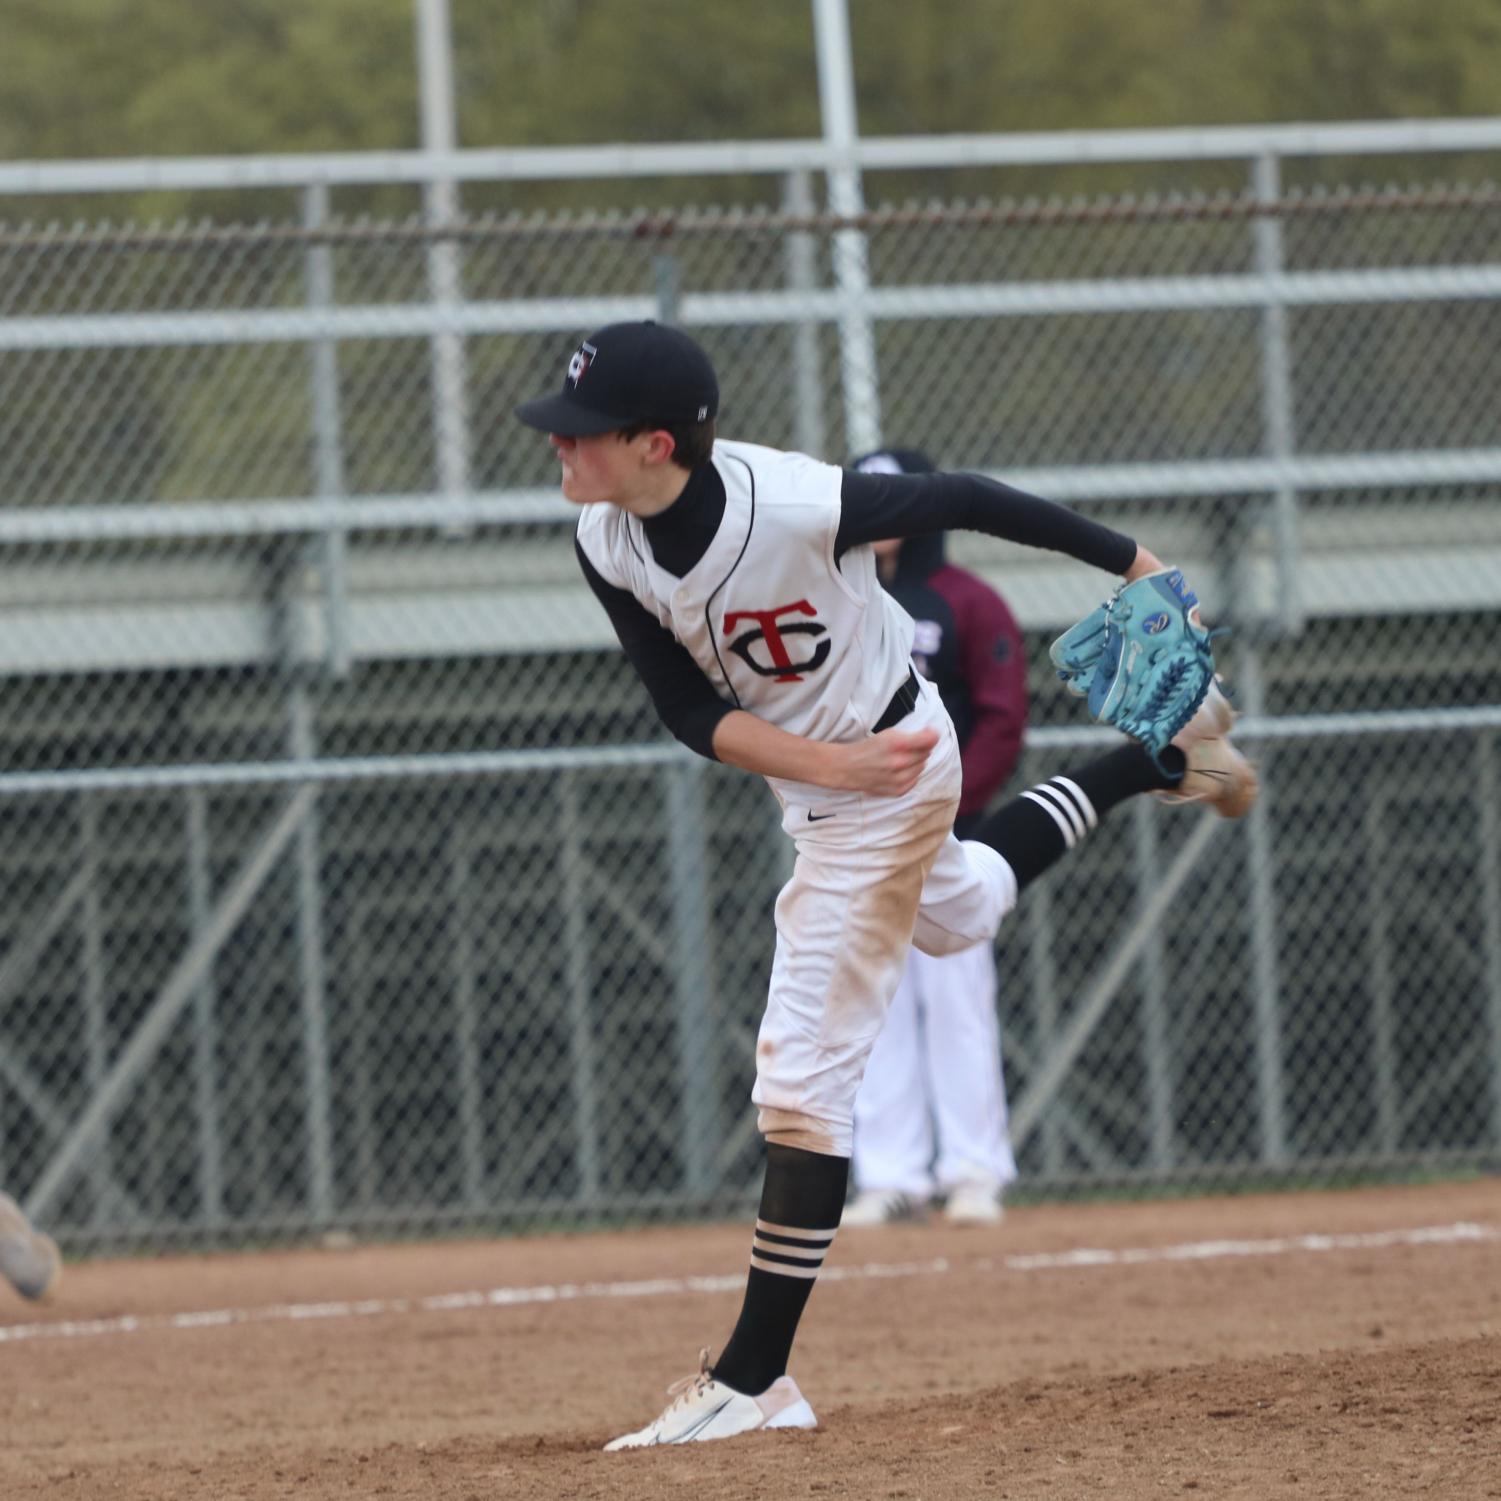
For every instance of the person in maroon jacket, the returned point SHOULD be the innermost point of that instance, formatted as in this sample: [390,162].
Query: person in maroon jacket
[930,1117]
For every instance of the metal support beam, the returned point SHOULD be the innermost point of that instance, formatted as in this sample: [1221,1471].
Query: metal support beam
[1102,989]
[705,159]
[37,937]
[170,1001]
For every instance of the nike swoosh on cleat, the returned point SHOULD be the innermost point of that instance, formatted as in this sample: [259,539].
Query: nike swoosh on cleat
[687,1435]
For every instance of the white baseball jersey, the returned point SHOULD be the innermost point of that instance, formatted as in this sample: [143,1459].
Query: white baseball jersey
[779,627]
[815,645]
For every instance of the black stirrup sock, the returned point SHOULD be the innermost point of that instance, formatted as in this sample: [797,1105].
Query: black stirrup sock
[802,1199]
[1033,830]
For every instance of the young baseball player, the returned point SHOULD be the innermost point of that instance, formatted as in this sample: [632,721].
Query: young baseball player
[930,1116]
[741,583]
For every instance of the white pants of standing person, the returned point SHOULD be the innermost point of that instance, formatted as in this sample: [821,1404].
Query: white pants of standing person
[930,1116]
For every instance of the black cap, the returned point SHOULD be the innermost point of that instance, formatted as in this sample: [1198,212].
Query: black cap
[894,461]
[624,374]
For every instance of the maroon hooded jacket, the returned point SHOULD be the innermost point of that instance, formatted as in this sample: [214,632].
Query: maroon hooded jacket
[968,643]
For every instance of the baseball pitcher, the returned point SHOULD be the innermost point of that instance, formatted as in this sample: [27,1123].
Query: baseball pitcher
[742,585]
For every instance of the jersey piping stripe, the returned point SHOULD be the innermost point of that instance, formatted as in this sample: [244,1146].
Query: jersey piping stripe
[709,603]
[630,537]
[1081,797]
[1064,827]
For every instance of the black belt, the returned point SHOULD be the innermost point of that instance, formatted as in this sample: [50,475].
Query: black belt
[903,702]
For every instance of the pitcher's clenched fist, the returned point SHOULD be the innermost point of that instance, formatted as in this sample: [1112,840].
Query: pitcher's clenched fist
[887,764]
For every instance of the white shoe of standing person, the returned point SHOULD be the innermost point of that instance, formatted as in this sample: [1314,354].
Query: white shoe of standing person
[977,1203]
[882,1206]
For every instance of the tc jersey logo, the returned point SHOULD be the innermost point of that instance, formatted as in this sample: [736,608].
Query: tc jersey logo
[770,629]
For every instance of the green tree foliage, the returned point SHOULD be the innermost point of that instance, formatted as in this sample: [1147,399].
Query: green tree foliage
[108,78]
[100,78]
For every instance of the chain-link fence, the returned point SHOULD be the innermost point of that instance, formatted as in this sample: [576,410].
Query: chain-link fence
[350,882]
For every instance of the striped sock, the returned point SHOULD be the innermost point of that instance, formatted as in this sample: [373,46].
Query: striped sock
[789,1251]
[1046,821]
[1068,805]
[802,1200]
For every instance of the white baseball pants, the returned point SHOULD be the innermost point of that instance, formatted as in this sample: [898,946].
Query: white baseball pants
[872,876]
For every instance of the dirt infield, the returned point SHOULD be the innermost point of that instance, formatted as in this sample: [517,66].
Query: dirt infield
[1309,1345]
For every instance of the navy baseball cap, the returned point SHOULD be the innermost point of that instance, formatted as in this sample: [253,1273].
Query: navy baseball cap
[625,374]
[894,461]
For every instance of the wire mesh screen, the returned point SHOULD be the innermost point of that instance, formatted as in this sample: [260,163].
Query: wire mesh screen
[350,881]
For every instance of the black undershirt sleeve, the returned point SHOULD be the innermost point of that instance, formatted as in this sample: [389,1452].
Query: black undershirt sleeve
[878,506]
[684,698]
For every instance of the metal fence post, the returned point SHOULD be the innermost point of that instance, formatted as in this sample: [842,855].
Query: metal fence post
[328,436]
[857,344]
[450,393]
[205,1020]
[465,1010]
[95,1000]
[576,960]
[313,973]
[1383,1038]
[1280,435]
[1488,795]
[693,983]
[667,282]
[1043,970]
[1155,1031]
[1271,1094]
[808,430]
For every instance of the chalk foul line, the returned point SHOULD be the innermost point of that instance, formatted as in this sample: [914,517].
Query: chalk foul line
[659,1287]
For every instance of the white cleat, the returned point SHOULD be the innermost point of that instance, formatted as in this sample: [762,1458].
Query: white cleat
[977,1203]
[29,1261]
[882,1206]
[1217,774]
[703,1409]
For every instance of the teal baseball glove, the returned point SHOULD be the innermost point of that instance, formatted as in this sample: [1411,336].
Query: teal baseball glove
[1143,659]
[1078,650]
